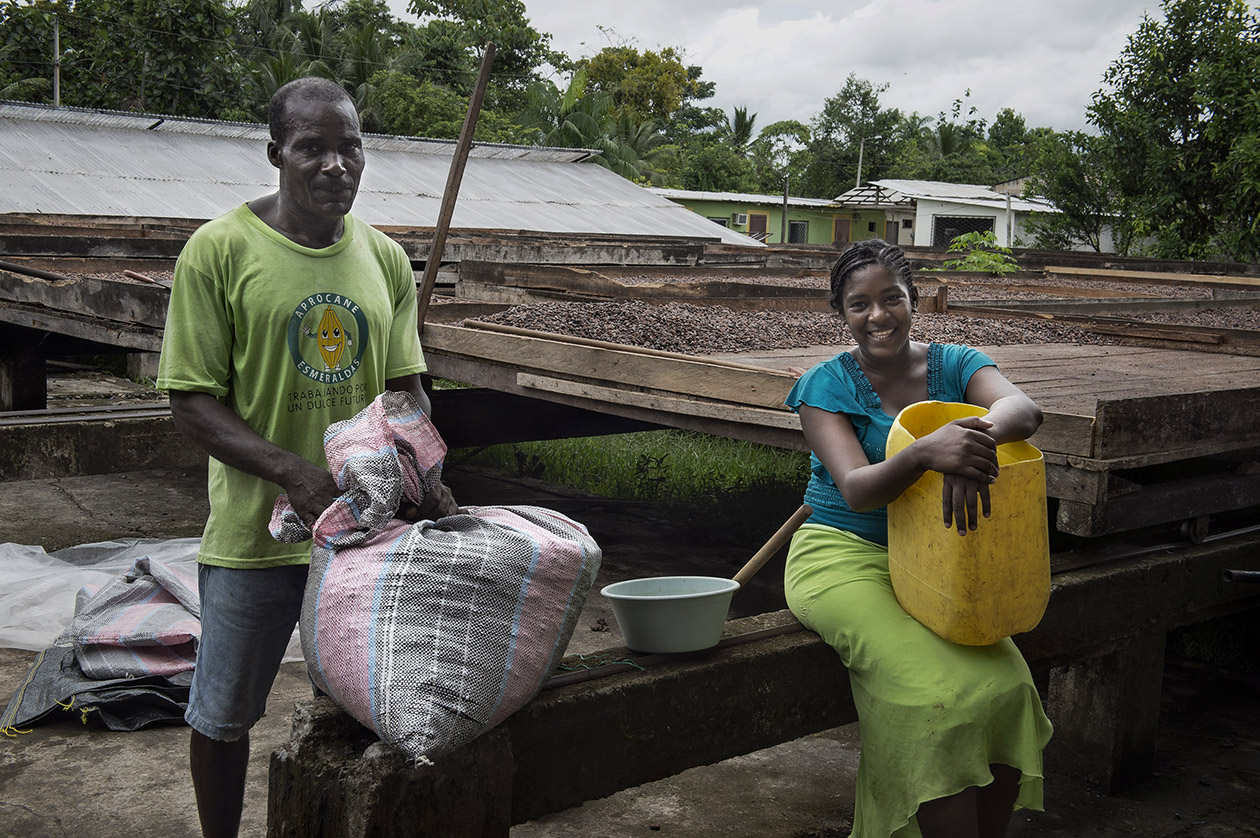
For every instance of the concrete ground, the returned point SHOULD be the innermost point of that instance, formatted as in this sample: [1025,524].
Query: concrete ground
[65,779]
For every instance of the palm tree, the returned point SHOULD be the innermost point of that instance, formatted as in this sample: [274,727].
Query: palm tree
[738,130]
[575,119]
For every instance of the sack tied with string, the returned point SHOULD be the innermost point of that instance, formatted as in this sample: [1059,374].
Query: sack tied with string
[433,632]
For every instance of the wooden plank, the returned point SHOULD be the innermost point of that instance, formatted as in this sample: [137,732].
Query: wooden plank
[668,404]
[502,377]
[91,246]
[602,366]
[1128,427]
[1065,433]
[121,301]
[1129,306]
[1163,503]
[82,327]
[1157,276]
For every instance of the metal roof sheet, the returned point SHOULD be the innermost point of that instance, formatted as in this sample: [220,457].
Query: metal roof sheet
[963,193]
[77,162]
[740,197]
[893,192]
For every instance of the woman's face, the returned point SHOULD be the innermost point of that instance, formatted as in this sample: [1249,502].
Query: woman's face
[876,308]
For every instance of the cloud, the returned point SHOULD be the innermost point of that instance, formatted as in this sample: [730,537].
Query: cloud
[783,58]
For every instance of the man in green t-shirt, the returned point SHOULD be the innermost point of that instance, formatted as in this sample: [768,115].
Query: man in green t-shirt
[287,314]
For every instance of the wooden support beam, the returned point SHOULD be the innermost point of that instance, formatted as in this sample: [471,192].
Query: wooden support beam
[22,379]
[453,178]
[122,302]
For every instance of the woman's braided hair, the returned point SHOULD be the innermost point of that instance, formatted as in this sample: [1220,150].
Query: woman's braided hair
[863,254]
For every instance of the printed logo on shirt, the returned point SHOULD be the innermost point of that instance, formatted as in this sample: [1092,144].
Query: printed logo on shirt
[327,336]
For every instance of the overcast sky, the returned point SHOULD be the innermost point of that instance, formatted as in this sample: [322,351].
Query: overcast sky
[783,58]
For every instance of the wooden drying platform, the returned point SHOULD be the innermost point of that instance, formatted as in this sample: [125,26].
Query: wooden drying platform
[1133,436]
[1129,431]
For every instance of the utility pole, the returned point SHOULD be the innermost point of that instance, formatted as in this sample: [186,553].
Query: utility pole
[861,148]
[783,226]
[56,62]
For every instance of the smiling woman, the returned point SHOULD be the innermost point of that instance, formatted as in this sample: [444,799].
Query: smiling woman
[951,735]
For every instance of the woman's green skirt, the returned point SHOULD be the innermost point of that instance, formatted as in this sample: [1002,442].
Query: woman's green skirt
[934,715]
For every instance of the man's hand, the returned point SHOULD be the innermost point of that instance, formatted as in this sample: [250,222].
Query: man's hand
[311,491]
[437,503]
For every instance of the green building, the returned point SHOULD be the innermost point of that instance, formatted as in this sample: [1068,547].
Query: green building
[809,220]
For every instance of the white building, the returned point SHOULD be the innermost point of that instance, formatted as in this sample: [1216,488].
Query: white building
[928,213]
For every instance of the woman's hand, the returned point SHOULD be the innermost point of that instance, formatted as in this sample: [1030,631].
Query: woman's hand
[958,502]
[962,447]
[965,453]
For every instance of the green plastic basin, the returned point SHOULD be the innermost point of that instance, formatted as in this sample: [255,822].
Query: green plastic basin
[671,613]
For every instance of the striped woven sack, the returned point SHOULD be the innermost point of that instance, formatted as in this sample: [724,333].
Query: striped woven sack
[430,633]
[147,622]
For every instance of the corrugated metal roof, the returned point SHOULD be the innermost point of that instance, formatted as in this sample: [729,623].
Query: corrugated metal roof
[740,198]
[874,197]
[962,193]
[76,162]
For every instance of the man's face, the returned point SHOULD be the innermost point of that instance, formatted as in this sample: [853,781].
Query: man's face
[320,159]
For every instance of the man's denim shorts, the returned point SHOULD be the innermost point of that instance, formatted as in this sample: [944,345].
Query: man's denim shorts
[247,618]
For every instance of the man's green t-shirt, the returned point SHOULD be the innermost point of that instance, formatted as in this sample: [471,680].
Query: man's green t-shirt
[292,339]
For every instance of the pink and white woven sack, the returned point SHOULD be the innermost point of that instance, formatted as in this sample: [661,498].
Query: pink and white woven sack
[430,633]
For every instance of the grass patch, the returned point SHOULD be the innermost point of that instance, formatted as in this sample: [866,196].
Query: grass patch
[1231,642]
[707,476]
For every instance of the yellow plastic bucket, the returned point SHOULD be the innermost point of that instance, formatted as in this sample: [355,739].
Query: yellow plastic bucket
[991,583]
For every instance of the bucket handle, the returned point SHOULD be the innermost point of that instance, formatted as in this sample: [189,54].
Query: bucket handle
[772,546]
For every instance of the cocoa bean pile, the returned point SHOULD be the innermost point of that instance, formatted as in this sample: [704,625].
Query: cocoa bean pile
[698,330]
[998,288]
[1217,318]
[809,281]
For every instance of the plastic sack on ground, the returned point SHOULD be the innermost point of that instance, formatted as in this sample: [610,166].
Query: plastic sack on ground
[147,622]
[430,633]
[126,657]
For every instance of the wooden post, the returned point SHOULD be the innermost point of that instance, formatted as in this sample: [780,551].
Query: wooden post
[453,179]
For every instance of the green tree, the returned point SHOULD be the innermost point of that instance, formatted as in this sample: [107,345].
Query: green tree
[654,85]
[738,130]
[1069,171]
[26,37]
[420,108]
[519,48]
[716,167]
[836,135]
[573,118]
[780,150]
[1179,117]
[167,56]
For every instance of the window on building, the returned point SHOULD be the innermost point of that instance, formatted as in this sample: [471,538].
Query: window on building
[798,232]
[724,221]
[946,228]
[870,226]
[907,223]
